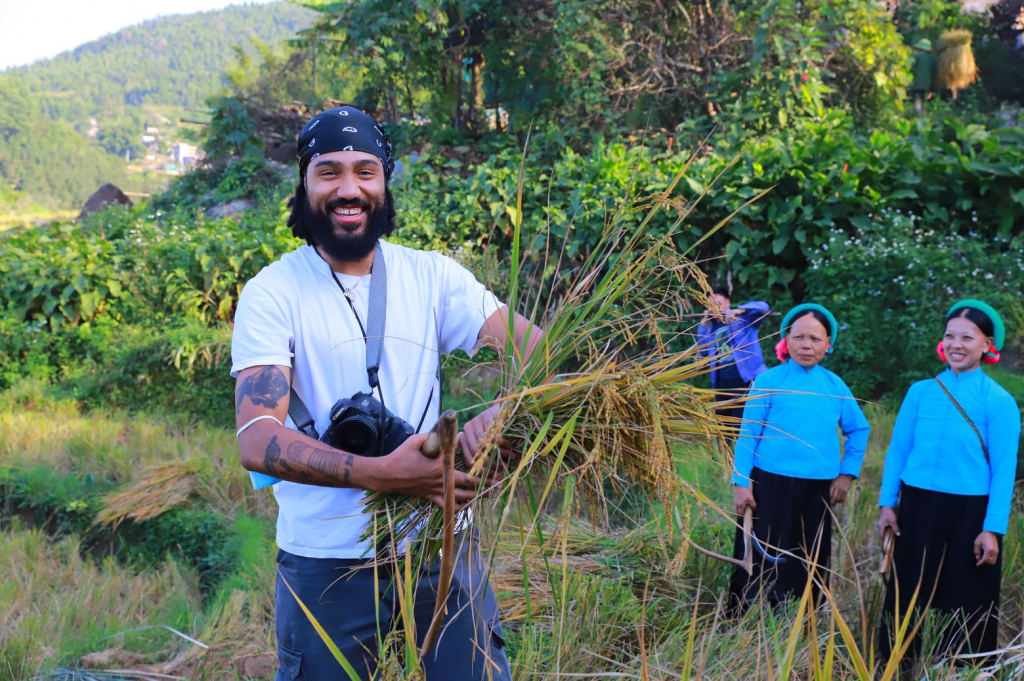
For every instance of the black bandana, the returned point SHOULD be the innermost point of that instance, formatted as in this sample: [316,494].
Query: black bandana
[344,128]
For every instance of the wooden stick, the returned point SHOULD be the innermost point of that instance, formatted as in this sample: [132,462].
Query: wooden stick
[747,563]
[441,442]
[888,542]
[748,536]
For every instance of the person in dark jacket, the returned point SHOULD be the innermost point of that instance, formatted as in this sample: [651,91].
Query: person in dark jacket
[729,336]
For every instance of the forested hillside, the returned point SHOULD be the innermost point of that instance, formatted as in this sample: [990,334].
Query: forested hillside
[172,61]
[67,124]
[42,157]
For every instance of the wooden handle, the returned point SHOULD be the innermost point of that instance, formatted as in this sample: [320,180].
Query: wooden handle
[748,536]
[441,442]
[888,542]
[747,563]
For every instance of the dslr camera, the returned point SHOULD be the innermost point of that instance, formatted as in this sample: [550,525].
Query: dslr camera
[361,425]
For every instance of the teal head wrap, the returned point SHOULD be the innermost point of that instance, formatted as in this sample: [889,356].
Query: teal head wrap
[998,329]
[787,321]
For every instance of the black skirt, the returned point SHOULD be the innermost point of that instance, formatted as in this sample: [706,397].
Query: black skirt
[793,524]
[934,555]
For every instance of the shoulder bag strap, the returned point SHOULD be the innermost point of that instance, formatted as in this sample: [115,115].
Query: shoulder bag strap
[966,417]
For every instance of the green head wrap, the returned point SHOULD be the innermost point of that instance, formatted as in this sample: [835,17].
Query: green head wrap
[787,321]
[998,330]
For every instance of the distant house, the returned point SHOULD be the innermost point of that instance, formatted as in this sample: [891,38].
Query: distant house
[184,155]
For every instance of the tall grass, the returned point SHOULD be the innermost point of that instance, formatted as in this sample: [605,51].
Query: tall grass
[576,597]
[620,461]
[54,605]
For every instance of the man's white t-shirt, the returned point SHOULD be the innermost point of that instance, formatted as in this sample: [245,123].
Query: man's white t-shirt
[293,314]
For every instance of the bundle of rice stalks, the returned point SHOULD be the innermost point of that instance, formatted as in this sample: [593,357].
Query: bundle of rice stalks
[158,489]
[957,68]
[606,397]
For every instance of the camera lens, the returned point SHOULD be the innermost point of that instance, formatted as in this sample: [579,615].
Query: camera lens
[355,436]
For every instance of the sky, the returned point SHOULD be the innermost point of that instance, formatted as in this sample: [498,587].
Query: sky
[39,29]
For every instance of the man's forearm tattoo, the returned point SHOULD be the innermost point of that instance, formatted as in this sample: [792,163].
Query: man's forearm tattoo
[324,461]
[264,388]
[349,460]
[272,456]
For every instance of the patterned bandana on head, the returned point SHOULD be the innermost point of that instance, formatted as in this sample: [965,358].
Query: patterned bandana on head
[344,128]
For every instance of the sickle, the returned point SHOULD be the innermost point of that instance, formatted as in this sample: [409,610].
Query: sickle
[775,560]
[747,563]
[441,442]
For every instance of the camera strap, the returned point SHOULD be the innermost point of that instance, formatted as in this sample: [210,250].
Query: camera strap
[373,334]
[375,322]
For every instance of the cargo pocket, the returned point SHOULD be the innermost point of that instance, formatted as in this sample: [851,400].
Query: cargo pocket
[499,669]
[290,664]
[497,634]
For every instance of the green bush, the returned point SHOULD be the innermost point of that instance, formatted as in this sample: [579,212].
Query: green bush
[62,505]
[890,285]
[822,175]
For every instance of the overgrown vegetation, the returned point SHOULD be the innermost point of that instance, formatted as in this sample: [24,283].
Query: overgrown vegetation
[121,501]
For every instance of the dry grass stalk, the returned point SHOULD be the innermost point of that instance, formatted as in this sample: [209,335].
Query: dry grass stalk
[957,68]
[157,490]
[50,591]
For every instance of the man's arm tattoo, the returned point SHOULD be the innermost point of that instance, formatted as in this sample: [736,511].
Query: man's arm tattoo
[272,456]
[323,461]
[264,388]
[348,468]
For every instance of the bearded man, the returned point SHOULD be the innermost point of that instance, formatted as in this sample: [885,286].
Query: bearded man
[304,332]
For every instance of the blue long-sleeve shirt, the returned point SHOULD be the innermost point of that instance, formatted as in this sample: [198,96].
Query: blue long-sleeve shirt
[735,341]
[789,426]
[934,448]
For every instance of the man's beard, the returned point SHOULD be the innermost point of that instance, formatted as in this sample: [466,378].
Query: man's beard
[340,246]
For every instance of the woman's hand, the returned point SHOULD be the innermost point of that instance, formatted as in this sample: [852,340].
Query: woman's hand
[743,498]
[986,548]
[887,520]
[840,488]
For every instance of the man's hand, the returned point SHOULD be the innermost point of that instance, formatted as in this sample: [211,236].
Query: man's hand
[743,498]
[840,488]
[474,433]
[408,471]
[887,519]
[986,548]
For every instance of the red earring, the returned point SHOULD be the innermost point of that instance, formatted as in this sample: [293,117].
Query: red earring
[991,356]
[942,352]
[782,350]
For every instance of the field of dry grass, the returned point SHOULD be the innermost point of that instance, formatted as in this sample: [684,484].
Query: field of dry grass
[578,601]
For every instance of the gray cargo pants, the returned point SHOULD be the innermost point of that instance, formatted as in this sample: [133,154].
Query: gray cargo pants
[470,645]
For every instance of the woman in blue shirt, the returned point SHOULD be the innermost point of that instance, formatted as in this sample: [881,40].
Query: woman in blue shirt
[950,466]
[788,466]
